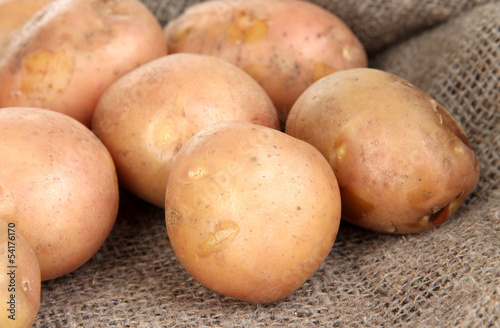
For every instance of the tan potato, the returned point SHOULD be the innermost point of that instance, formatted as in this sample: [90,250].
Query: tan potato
[403,163]
[20,284]
[13,15]
[251,212]
[58,185]
[72,50]
[285,45]
[146,117]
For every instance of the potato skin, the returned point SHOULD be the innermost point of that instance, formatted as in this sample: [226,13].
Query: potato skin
[72,50]
[20,280]
[13,15]
[146,116]
[58,185]
[251,213]
[285,45]
[402,162]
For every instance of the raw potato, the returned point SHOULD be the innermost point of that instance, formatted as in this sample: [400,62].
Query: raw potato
[251,212]
[72,50]
[285,45]
[13,15]
[146,117]
[58,185]
[20,284]
[402,162]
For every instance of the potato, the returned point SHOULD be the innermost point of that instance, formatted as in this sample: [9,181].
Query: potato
[285,45]
[72,50]
[20,284]
[403,164]
[58,185]
[13,15]
[146,116]
[251,212]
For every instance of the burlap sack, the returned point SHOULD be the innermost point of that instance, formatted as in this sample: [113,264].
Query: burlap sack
[447,277]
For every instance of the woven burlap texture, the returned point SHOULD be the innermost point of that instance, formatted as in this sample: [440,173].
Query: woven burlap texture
[446,277]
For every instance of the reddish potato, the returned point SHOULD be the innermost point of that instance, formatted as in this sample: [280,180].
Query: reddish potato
[403,163]
[20,284]
[285,45]
[146,117]
[72,50]
[58,185]
[251,212]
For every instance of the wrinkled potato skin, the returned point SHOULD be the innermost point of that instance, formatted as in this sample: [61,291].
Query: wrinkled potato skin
[402,162]
[13,15]
[49,65]
[251,212]
[146,117]
[24,283]
[285,45]
[58,185]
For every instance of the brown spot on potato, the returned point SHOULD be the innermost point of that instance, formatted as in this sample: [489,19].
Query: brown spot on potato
[245,28]
[26,286]
[46,73]
[222,235]
[442,215]
[354,206]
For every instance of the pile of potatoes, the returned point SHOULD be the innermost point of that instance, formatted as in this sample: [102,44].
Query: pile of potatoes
[256,124]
